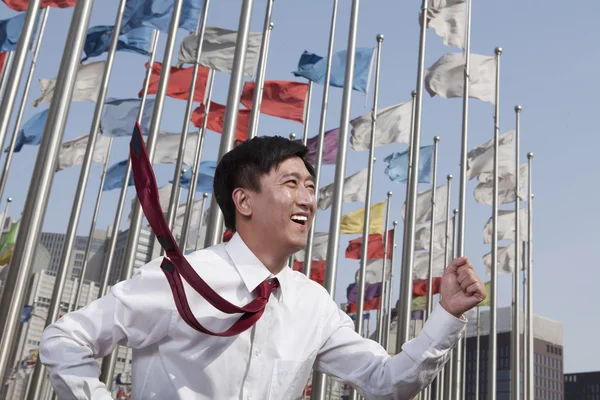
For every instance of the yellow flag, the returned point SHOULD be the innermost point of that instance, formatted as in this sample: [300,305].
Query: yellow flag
[353,222]
[488,290]
[418,303]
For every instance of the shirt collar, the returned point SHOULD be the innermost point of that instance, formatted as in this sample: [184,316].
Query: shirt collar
[250,268]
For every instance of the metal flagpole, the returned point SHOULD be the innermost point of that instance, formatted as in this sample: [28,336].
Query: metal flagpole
[201,220]
[215,218]
[321,137]
[16,70]
[172,210]
[69,243]
[108,263]
[530,316]
[88,247]
[41,181]
[291,258]
[477,353]
[306,117]
[388,315]
[516,303]
[5,71]
[108,364]
[429,305]
[196,167]
[450,368]
[5,214]
[261,69]
[493,340]
[19,120]
[384,281]
[333,244]
[360,303]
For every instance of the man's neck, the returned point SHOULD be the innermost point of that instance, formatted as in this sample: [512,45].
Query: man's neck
[275,263]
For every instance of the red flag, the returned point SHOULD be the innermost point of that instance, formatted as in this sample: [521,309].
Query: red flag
[179,82]
[374,249]
[283,99]
[2,60]
[420,286]
[317,270]
[216,118]
[373,304]
[21,5]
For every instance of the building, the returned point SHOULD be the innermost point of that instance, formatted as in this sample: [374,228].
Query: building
[144,253]
[582,386]
[548,350]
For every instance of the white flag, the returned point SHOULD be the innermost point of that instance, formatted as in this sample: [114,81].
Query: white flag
[355,190]
[480,160]
[421,264]
[445,78]
[87,84]
[505,261]
[506,188]
[449,23]
[218,50]
[440,4]
[164,197]
[374,271]
[72,152]
[167,148]
[319,246]
[423,233]
[393,125]
[424,205]
[506,226]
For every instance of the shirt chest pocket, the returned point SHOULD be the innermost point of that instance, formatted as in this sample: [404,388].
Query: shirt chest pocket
[289,378]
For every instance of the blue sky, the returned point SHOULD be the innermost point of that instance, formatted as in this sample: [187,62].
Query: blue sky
[545,67]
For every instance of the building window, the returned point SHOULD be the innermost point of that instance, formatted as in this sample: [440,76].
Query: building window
[79,256]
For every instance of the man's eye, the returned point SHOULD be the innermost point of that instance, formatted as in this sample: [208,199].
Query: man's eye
[292,181]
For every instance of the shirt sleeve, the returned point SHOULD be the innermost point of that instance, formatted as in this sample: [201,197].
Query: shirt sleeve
[136,313]
[368,367]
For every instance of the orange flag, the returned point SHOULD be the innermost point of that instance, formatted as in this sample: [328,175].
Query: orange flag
[373,304]
[374,249]
[420,286]
[283,99]
[216,118]
[21,5]
[179,82]
[317,270]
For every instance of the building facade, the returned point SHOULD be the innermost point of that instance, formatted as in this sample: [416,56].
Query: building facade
[582,386]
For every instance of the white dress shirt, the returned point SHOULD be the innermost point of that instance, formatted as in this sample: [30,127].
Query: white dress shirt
[302,328]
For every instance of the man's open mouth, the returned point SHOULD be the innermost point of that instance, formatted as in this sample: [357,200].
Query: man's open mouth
[300,219]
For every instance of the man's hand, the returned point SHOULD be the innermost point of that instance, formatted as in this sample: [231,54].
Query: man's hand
[461,288]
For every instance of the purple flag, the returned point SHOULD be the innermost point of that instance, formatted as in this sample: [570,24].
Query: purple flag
[416,315]
[329,147]
[371,291]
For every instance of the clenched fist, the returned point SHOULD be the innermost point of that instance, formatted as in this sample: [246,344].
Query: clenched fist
[461,288]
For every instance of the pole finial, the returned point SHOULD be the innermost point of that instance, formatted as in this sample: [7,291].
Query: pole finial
[183,171]
[518,108]
[498,51]
[530,155]
[271,25]
[380,37]
[9,199]
[205,195]
[390,193]
[292,136]
[436,139]
[413,93]
[449,177]
[395,223]
[455,211]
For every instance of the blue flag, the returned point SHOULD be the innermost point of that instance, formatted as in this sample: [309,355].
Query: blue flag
[157,14]
[98,40]
[115,175]
[312,67]
[31,132]
[205,177]
[10,31]
[26,314]
[120,115]
[397,169]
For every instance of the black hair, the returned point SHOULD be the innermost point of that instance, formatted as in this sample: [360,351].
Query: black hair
[243,167]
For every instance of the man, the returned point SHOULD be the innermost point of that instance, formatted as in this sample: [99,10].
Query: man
[266,192]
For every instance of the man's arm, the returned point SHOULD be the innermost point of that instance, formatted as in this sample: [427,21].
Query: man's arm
[367,366]
[136,313]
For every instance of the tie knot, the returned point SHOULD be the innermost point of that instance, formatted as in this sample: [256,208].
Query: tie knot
[267,287]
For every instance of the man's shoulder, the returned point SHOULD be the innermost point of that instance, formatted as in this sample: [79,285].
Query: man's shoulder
[308,286]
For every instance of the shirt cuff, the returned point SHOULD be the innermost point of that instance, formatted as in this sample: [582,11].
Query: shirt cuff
[444,328]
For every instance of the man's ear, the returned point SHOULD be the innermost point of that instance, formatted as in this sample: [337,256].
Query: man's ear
[242,202]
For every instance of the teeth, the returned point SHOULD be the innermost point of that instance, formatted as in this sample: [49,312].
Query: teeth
[300,217]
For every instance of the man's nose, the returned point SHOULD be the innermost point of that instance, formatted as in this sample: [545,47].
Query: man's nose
[306,198]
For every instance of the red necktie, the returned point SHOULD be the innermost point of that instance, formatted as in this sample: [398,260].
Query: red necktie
[174,264]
